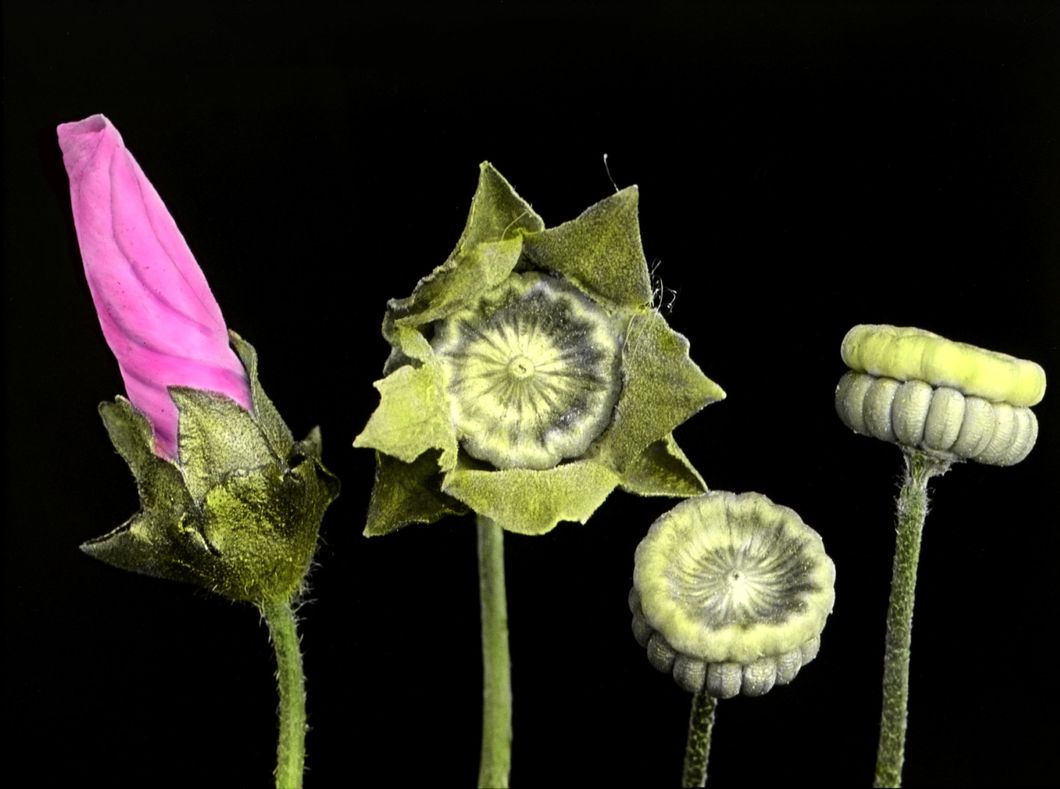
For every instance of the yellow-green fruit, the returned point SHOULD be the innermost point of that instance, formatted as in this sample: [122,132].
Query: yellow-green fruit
[532,372]
[909,354]
[731,593]
[937,420]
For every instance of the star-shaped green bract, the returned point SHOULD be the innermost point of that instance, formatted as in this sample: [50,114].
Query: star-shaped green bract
[423,473]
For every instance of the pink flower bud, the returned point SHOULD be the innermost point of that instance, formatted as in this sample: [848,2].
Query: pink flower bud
[156,309]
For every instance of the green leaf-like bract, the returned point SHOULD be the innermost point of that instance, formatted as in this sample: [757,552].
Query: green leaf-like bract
[238,513]
[663,470]
[423,474]
[600,251]
[533,502]
[407,493]
[413,416]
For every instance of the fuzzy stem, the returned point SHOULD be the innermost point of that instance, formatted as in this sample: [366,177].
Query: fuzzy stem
[697,751]
[290,680]
[912,510]
[496,758]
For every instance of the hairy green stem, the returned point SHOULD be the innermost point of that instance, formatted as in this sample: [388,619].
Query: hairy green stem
[697,751]
[496,759]
[290,680]
[912,510]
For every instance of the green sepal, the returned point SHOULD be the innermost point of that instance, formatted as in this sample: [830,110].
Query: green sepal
[526,501]
[459,281]
[262,525]
[164,539]
[600,251]
[411,344]
[408,346]
[488,249]
[265,414]
[412,417]
[311,446]
[152,545]
[159,482]
[497,212]
[216,437]
[663,470]
[229,515]
[663,387]
[407,493]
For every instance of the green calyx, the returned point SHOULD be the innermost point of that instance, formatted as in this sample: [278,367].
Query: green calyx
[529,375]
[238,513]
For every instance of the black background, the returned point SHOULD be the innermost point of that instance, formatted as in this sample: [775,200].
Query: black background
[802,168]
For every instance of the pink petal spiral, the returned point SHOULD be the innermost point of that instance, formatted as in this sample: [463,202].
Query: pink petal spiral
[156,309]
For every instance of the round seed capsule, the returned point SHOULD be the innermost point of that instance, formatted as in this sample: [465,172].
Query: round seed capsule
[759,677]
[660,654]
[724,680]
[977,429]
[909,412]
[690,673]
[850,398]
[810,649]
[788,666]
[642,631]
[879,398]
[633,601]
[735,591]
[532,371]
[944,418]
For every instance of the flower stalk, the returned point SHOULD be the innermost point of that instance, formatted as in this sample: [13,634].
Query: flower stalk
[290,682]
[496,757]
[697,751]
[912,511]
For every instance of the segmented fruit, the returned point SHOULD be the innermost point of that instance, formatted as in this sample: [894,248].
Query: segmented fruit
[937,420]
[731,592]
[948,399]
[532,372]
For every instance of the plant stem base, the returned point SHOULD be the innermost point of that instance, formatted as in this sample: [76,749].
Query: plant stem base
[496,757]
[290,680]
